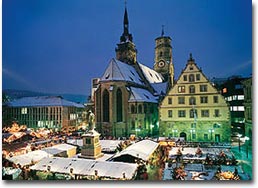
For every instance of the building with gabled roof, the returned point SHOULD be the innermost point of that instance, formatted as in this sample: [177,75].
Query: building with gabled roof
[194,109]
[128,93]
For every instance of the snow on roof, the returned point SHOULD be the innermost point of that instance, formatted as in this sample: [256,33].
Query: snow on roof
[151,75]
[87,167]
[141,95]
[119,71]
[109,145]
[160,88]
[56,149]
[43,101]
[30,157]
[142,149]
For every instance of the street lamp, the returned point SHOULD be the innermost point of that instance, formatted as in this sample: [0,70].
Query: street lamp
[246,142]
[174,132]
[239,136]
[211,131]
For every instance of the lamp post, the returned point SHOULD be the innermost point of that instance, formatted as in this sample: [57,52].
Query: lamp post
[246,142]
[239,136]
[211,131]
[174,132]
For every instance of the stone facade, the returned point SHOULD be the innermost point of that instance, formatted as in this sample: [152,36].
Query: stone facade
[194,109]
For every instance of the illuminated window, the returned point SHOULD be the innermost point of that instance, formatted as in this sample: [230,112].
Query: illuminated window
[181,89]
[24,111]
[241,97]
[224,90]
[241,108]
[234,97]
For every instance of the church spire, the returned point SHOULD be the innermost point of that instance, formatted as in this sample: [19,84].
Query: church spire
[126,36]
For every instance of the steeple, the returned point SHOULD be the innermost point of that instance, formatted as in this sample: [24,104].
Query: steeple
[126,36]
[126,51]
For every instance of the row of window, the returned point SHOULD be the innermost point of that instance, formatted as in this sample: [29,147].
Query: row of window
[192,77]
[237,108]
[235,97]
[141,109]
[192,100]
[202,88]
[193,136]
[193,113]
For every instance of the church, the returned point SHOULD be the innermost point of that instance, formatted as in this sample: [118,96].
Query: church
[131,98]
[127,95]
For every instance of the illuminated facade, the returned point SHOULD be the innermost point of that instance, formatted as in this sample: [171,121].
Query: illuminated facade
[194,109]
[45,112]
[127,95]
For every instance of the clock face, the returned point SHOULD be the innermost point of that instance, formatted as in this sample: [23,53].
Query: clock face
[161,64]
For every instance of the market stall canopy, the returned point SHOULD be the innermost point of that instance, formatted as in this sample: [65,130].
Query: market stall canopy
[141,150]
[86,167]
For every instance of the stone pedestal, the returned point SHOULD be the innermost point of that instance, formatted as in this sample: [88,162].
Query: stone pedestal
[91,148]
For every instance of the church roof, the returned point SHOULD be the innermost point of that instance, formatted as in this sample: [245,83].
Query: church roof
[119,71]
[160,88]
[141,95]
[151,75]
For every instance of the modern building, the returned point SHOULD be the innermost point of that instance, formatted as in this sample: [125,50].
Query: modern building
[248,108]
[51,112]
[127,95]
[233,92]
[194,109]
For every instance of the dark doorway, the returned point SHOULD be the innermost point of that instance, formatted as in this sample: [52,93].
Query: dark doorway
[183,135]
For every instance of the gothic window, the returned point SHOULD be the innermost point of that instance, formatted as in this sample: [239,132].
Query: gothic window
[133,124]
[119,105]
[191,89]
[191,78]
[192,101]
[139,108]
[160,54]
[105,106]
[145,108]
[132,109]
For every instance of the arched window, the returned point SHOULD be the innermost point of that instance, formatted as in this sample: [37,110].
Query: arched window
[145,108]
[191,78]
[160,54]
[132,109]
[192,101]
[105,106]
[192,89]
[139,108]
[119,105]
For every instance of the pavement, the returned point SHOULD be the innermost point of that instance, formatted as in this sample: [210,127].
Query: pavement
[244,157]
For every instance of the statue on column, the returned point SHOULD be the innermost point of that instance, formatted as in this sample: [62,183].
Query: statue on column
[91,120]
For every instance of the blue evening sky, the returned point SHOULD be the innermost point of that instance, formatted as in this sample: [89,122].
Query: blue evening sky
[58,46]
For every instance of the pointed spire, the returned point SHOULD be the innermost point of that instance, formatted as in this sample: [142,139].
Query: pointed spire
[126,36]
[191,59]
[162,32]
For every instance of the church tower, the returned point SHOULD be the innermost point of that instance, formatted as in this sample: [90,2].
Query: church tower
[163,58]
[126,50]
